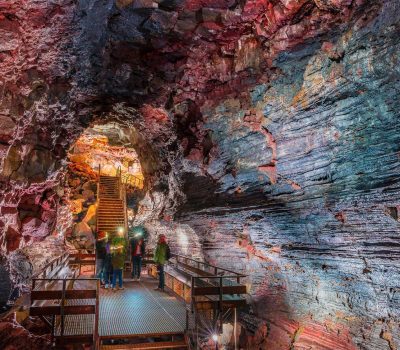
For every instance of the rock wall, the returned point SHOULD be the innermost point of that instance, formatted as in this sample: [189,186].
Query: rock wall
[303,191]
[271,126]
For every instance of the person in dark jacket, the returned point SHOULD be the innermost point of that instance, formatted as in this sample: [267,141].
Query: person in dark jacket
[107,267]
[100,255]
[137,253]
[161,256]
[118,254]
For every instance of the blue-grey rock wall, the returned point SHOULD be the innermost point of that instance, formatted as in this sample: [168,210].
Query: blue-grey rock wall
[307,172]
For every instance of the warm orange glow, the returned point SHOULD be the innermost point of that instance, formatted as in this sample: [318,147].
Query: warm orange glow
[92,150]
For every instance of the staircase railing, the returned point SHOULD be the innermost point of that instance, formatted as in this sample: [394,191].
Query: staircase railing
[98,200]
[122,196]
[70,303]
[210,292]
[132,180]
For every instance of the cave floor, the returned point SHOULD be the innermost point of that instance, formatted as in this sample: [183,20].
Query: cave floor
[136,311]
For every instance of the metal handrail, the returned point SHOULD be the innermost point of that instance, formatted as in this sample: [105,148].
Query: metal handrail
[44,269]
[132,180]
[62,306]
[216,268]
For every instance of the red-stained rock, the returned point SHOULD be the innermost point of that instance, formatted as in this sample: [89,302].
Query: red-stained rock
[8,127]
[14,336]
[298,155]
[35,228]
[12,238]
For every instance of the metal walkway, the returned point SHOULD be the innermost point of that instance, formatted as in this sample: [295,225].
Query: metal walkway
[140,310]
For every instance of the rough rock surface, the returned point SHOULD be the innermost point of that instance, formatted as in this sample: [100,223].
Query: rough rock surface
[272,126]
[15,336]
[306,186]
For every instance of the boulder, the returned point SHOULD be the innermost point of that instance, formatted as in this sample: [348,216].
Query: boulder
[34,227]
[89,185]
[90,217]
[84,235]
[13,336]
[88,195]
[7,128]
[76,206]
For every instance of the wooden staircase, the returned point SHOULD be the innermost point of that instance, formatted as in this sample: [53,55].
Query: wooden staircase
[111,211]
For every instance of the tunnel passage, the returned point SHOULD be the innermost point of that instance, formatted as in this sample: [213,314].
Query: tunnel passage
[101,150]
[267,136]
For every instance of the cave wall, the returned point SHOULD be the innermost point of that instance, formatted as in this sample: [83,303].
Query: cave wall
[305,191]
[271,127]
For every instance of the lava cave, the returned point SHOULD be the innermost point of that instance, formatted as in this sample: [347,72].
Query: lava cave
[260,137]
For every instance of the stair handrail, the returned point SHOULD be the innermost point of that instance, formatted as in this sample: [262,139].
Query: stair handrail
[122,196]
[125,211]
[132,180]
[98,199]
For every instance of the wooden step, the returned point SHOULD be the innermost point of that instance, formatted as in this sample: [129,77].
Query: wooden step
[111,201]
[107,222]
[111,214]
[112,225]
[112,218]
[146,346]
[114,202]
[111,210]
[110,205]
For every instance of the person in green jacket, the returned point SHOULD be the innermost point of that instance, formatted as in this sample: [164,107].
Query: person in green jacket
[161,256]
[118,255]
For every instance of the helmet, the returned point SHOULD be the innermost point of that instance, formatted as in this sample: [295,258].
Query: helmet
[101,234]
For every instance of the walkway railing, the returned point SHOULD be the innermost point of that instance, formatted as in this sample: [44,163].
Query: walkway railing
[67,304]
[53,267]
[203,268]
[211,292]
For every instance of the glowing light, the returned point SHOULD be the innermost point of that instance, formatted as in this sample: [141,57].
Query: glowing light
[94,148]
[183,240]
[121,230]
[215,337]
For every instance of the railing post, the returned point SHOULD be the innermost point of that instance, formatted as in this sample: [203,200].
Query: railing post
[62,310]
[187,320]
[96,318]
[80,262]
[192,293]
[98,202]
[53,323]
[220,301]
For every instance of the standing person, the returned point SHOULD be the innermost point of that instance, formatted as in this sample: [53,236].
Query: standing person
[100,255]
[107,268]
[118,254]
[161,256]
[137,252]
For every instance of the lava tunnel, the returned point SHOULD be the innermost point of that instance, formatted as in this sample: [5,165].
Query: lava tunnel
[200,174]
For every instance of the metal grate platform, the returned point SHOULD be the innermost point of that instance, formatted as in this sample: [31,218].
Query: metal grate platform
[140,310]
